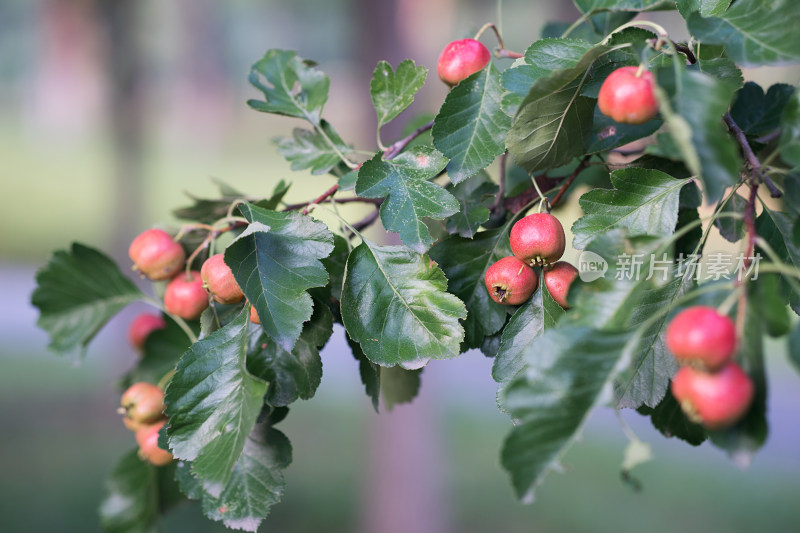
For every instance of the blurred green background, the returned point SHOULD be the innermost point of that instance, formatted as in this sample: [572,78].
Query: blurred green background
[110,110]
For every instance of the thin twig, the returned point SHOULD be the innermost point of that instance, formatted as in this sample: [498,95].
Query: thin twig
[366,221]
[501,191]
[394,149]
[750,156]
[357,199]
[321,198]
[687,51]
[502,52]
[750,223]
[581,166]
[769,137]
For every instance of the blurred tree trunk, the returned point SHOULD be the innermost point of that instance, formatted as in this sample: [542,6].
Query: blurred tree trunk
[120,20]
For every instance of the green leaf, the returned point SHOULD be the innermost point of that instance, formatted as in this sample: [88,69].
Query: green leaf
[754,32]
[475,195]
[471,127]
[335,264]
[208,211]
[552,398]
[775,316]
[309,149]
[646,380]
[793,350]
[586,6]
[553,122]
[162,349]
[77,292]
[531,320]
[291,86]
[732,229]
[707,8]
[668,418]
[722,69]
[790,131]
[645,202]
[275,261]
[399,385]
[777,229]
[692,112]
[132,502]
[395,304]
[410,196]
[690,201]
[758,113]
[465,262]
[295,374]
[370,373]
[392,92]
[256,484]
[213,403]
[608,134]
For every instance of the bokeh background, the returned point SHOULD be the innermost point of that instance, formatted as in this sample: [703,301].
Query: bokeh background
[112,110]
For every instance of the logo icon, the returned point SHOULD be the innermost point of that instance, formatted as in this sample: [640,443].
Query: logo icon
[591,266]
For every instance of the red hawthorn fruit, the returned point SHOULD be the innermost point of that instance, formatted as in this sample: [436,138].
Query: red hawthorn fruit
[717,400]
[557,279]
[538,239]
[699,336]
[219,281]
[628,98]
[147,439]
[254,315]
[142,403]
[510,281]
[185,296]
[142,326]
[460,59]
[156,255]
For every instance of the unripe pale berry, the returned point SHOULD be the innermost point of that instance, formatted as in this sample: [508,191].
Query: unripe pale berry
[185,296]
[717,400]
[142,403]
[557,279]
[699,336]
[628,98]
[510,281]
[142,326]
[460,59]
[156,255]
[147,439]
[219,281]
[538,239]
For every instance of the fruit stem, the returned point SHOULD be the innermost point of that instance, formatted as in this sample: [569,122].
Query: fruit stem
[178,320]
[542,198]
[583,18]
[162,383]
[640,70]
[186,228]
[486,27]
[725,307]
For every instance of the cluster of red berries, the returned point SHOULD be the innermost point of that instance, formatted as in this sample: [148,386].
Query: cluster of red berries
[537,240]
[711,389]
[143,412]
[156,255]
